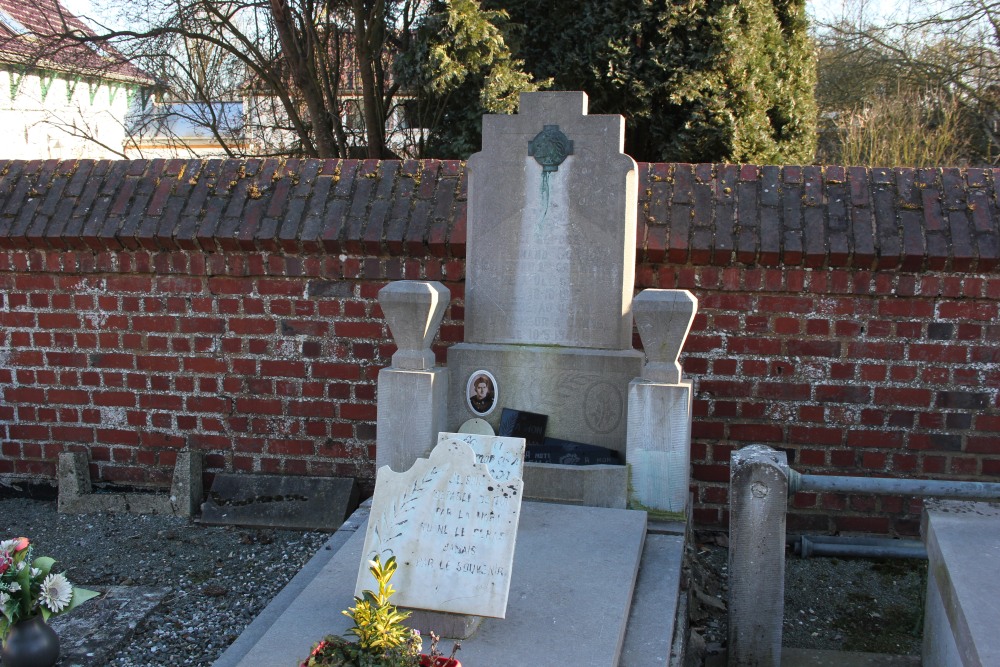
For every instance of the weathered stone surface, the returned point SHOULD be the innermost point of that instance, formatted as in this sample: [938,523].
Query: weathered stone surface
[551,248]
[92,635]
[963,592]
[594,486]
[659,445]
[413,311]
[452,529]
[76,497]
[758,500]
[582,391]
[663,318]
[302,503]
[412,410]
[502,455]
[547,619]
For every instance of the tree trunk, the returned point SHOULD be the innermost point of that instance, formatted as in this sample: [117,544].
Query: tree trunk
[369,41]
[298,53]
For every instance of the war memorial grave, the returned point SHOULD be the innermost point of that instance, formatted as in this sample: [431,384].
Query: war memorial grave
[502,536]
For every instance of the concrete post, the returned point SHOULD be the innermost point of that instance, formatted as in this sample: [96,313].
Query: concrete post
[412,393]
[758,498]
[658,448]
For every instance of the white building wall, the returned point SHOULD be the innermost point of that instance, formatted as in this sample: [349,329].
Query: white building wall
[47,115]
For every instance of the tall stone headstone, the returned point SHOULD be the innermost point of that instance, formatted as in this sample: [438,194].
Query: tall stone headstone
[552,220]
[452,529]
[549,276]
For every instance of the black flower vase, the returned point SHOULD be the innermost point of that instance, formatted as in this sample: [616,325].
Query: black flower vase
[30,643]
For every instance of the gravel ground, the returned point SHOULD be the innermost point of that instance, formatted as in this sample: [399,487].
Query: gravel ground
[839,604]
[220,578]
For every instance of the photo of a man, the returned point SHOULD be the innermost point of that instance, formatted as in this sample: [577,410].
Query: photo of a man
[482,392]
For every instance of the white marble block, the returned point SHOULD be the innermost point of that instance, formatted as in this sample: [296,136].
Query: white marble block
[412,393]
[412,410]
[452,529]
[659,445]
[663,318]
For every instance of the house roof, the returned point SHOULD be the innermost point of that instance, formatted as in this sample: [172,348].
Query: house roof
[29,37]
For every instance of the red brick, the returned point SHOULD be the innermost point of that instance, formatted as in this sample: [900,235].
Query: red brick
[903,396]
[843,394]
[881,439]
[358,329]
[756,432]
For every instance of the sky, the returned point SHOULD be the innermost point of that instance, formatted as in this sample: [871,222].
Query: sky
[823,9]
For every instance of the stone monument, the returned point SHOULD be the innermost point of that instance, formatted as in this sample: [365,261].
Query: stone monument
[412,391]
[550,269]
[659,405]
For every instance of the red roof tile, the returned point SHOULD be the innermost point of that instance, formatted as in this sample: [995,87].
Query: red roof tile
[40,46]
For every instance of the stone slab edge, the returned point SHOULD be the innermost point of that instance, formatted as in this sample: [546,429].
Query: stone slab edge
[515,636]
[959,559]
[649,634]
[319,512]
[260,625]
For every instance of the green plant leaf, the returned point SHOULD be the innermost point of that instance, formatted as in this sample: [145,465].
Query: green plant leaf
[44,563]
[80,595]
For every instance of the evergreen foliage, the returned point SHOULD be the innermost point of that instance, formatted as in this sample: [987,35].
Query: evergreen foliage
[459,68]
[697,80]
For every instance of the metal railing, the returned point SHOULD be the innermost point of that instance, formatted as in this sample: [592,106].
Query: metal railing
[760,484]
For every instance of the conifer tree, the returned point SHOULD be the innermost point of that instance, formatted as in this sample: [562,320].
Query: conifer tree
[697,80]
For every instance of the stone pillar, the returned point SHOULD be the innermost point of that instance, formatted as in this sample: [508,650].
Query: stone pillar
[659,405]
[412,392]
[758,499]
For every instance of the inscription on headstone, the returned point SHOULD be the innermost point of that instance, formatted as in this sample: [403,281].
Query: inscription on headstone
[452,529]
[503,456]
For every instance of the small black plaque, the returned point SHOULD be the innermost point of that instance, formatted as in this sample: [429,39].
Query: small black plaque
[567,452]
[521,424]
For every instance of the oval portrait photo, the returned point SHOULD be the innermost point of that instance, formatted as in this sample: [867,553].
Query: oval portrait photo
[482,392]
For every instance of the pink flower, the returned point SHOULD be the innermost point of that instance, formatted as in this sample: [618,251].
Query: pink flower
[21,545]
[5,561]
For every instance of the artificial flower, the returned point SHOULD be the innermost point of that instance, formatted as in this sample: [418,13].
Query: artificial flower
[28,588]
[56,592]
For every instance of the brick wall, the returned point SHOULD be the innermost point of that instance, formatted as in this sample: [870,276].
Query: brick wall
[846,316]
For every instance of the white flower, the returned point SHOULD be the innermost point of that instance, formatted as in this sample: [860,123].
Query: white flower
[14,587]
[56,593]
[20,566]
[7,545]
[3,598]
[35,572]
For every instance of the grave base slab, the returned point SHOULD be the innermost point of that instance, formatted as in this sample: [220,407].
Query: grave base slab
[571,598]
[447,626]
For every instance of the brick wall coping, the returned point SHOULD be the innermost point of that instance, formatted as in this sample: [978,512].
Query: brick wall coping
[707,214]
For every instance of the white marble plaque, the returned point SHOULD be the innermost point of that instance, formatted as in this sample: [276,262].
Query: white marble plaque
[504,456]
[452,529]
